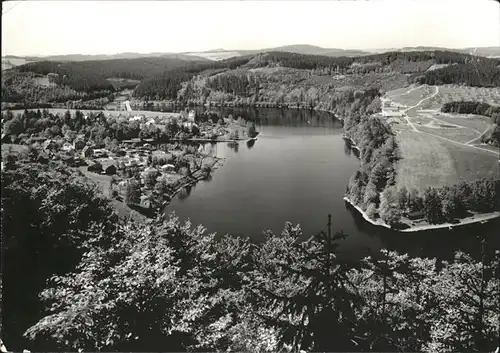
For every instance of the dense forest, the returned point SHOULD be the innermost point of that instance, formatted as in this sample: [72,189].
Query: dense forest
[478,73]
[242,84]
[28,87]
[163,78]
[167,85]
[109,285]
[336,64]
[449,203]
[478,108]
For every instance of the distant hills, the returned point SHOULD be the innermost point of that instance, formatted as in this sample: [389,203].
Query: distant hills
[222,54]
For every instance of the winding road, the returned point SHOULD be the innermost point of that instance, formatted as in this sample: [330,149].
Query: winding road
[467,144]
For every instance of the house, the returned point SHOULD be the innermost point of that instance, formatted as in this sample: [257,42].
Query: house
[6,138]
[39,139]
[100,153]
[87,152]
[191,115]
[67,147]
[189,124]
[49,145]
[78,144]
[110,169]
[135,118]
[416,215]
[145,202]
[95,167]
[68,160]
[42,159]
[168,168]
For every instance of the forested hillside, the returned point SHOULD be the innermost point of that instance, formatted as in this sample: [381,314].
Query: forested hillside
[311,81]
[110,285]
[264,79]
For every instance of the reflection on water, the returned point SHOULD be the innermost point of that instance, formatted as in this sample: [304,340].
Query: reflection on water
[235,146]
[251,143]
[185,192]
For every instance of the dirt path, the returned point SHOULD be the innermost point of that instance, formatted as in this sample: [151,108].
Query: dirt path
[416,105]
[467,144]
[480,134]
[460,143]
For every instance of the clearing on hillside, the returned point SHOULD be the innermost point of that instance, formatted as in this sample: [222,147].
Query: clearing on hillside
[463,135]
[475,122]
[412,96]
[450,93]
[428,161]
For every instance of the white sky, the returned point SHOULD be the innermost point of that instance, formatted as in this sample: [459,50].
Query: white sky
[108,27]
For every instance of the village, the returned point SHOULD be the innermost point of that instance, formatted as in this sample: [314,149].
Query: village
[142,173]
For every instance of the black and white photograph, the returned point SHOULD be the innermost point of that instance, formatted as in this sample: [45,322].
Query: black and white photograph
[282,176]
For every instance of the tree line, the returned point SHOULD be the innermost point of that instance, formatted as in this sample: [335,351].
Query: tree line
[168,84]
[23,88]
[318,62]
[480,73]
[240,84]
[168,285]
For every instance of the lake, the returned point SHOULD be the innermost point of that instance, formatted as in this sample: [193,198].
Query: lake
[297,170]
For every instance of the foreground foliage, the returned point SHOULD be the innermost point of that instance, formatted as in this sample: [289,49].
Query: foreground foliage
[167,285]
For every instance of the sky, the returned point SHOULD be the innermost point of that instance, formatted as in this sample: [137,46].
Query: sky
[108,27]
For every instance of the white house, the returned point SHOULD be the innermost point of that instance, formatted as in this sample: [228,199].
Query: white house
[135,118]
[168,168]
[191,115]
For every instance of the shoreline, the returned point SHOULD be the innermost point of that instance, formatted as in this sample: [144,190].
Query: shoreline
[193,181]
[480,218]
[352,144]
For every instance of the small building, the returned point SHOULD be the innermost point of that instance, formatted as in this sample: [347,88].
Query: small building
[38,139]
[42,159]
[100,153]
[110,169]
[191,115]
[416,215]
[70,161]
[78,144]
[168,168]
[95,167]
[87,152]
[48,145]
[67,147]
[145,202]
[6,138]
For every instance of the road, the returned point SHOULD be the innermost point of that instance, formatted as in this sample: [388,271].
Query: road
[416,105]
[467,144]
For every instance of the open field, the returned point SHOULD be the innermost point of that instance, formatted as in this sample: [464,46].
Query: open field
[430,161]
[411,96]
[449,93]
[472,163]
[463,135]
[425,162]
[421,120]
[474,122]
